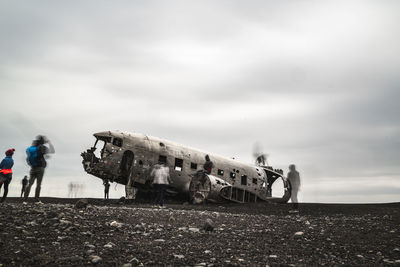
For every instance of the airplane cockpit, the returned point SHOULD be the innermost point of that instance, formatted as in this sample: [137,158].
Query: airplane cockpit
[108,144]
[98,159]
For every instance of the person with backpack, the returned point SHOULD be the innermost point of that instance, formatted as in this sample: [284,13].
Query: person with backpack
[6,172]
[36,159]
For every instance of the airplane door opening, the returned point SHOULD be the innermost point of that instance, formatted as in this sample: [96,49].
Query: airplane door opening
[126,163]
[278,188]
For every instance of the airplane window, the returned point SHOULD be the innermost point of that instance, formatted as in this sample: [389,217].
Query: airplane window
[117,142]
[233,175]
[254,180]
[162,159]
[244,179]
[220,172]
[193,166]
[178,164]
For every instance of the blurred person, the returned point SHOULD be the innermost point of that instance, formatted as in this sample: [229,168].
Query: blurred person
[70,190]
[161,180]
[207,168]
[294,179]
[106,189]
[24,183]
[36,159]
[6,172]
[208,165]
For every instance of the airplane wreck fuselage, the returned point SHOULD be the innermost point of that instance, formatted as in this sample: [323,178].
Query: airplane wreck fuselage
[128,158]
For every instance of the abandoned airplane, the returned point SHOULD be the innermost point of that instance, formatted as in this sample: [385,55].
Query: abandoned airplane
[128,158]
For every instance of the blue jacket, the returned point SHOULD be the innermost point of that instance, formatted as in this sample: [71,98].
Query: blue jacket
[6,163]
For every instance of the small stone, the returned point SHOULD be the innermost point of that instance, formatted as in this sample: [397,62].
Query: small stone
[33,223]
[360,256]
[208,225]
[90,246]
[159,240]
[299,233]
[51,214]
[273,256]
[127,265]
[116,224]
[194,229]
[81,204]
[179,256]
[139,228]
[109,245]
[96,259]
[90,251]
[65,223]
[207,252]
[134,261]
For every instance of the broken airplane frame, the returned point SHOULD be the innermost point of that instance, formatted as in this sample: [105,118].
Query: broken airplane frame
[128,158]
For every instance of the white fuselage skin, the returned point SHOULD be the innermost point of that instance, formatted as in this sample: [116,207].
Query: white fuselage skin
[182,161]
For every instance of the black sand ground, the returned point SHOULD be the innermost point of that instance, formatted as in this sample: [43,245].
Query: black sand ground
[111,234]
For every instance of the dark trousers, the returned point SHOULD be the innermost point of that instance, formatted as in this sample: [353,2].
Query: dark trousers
[36,173]
[105,194]
[7,180]
[23,189]
[295,202]
[160,189]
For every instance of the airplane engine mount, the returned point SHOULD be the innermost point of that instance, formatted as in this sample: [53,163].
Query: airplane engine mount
[206,187]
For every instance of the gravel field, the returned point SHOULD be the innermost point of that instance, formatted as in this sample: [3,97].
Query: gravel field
[57,233]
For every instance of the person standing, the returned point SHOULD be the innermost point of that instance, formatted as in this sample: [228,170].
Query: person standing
[36,159]
[106,189]
[6,172]
[24,183]
[294,179]
[161,181]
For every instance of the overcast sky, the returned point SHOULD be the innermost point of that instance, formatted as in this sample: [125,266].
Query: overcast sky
[316,83]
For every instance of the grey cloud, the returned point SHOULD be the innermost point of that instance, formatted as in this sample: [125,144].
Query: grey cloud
[314,87]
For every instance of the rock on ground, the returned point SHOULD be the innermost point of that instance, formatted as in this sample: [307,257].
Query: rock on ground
[58,234]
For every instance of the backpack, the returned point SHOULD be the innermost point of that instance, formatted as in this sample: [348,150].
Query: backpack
[31,156]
